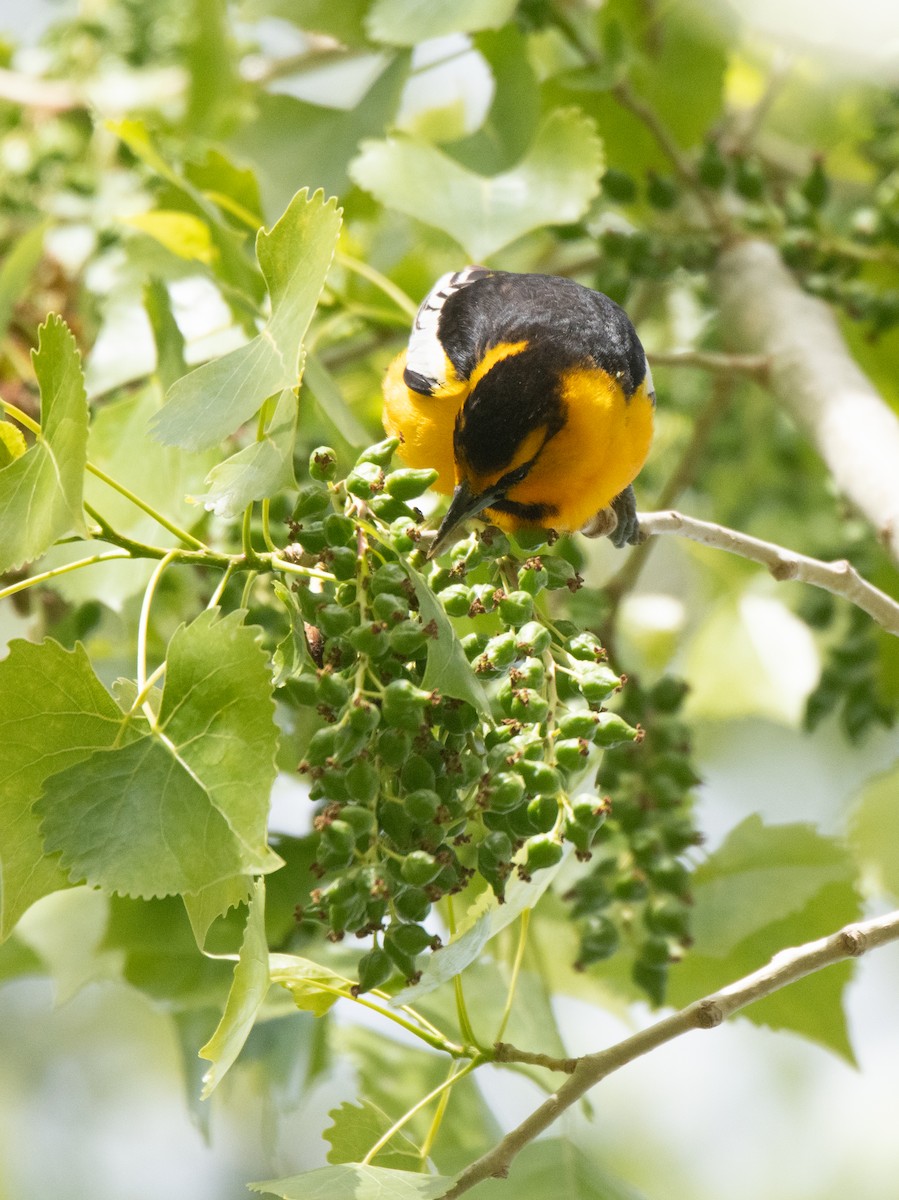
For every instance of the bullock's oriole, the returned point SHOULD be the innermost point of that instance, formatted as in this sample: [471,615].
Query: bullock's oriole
[532,398]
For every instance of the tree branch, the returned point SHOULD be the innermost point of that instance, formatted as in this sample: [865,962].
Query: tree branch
[813,374]
[840,578]
[754,365]
[783,969]
[30,91]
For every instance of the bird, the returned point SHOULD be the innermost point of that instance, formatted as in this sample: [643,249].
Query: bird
[532,398]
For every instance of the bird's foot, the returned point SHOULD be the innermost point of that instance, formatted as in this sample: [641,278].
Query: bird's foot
[618,521]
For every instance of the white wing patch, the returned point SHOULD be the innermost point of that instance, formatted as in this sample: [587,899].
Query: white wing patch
[426,361]
[650,386]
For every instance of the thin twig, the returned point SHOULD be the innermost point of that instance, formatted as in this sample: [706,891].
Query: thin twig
[840,577]
[31,91]
[505,1052]
[683,167]
[748,124]
[783,969]
[754,365]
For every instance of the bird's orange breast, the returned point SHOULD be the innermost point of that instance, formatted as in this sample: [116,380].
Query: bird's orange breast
[424,425]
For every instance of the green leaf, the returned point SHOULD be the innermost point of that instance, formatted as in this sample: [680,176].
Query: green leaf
[760,874]
[484,921]
[767,888]
[874,830]
[12,443]
[214,94]
[230,266]
[185,806]
[303,979]
[552,185]
[750,655]
[40,491]
[406,22]
[355,1128]
[16,270]
[161,960]
[343,21]
[691,46]
[659,54]
[287,135]
[53,712]
[447,668]
[248,991]
[218,684]
[182,233]
[259,470]
[163,476]
[206,906]
[234,189]
[395,1076]
[212,401]
[509,126]
[136,821]
[352,1182]
[291,654]
[66,930]
[558,1167]
[170,364]
[347,433]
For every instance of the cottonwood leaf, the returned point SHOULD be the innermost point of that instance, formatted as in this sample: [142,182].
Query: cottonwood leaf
[343,21]
[259,470]
[510,124]
[346,430]
[395,1076]
[304,978]
[355,1128]
[355,1182]
[41,490]
[163,476]
[53,712]
[136,821]
[487,921]
[558,1167]
[170,363]
[553,184]
[16,270]
[160,958]
[67,931]
[229,263]
[447,668]
[12,443]
[203,908]
[182,233]
[248,990]
[212,401]
[765,889]
[286,131]
[407,22]
[185,806]
[874,830]
[233,188]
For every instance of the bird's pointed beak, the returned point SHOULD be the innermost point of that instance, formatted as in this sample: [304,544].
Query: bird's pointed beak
[463,505]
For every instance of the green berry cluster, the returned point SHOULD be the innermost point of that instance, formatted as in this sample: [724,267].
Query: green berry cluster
[637,890]
[831,241]
[849,683]
[456,723]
